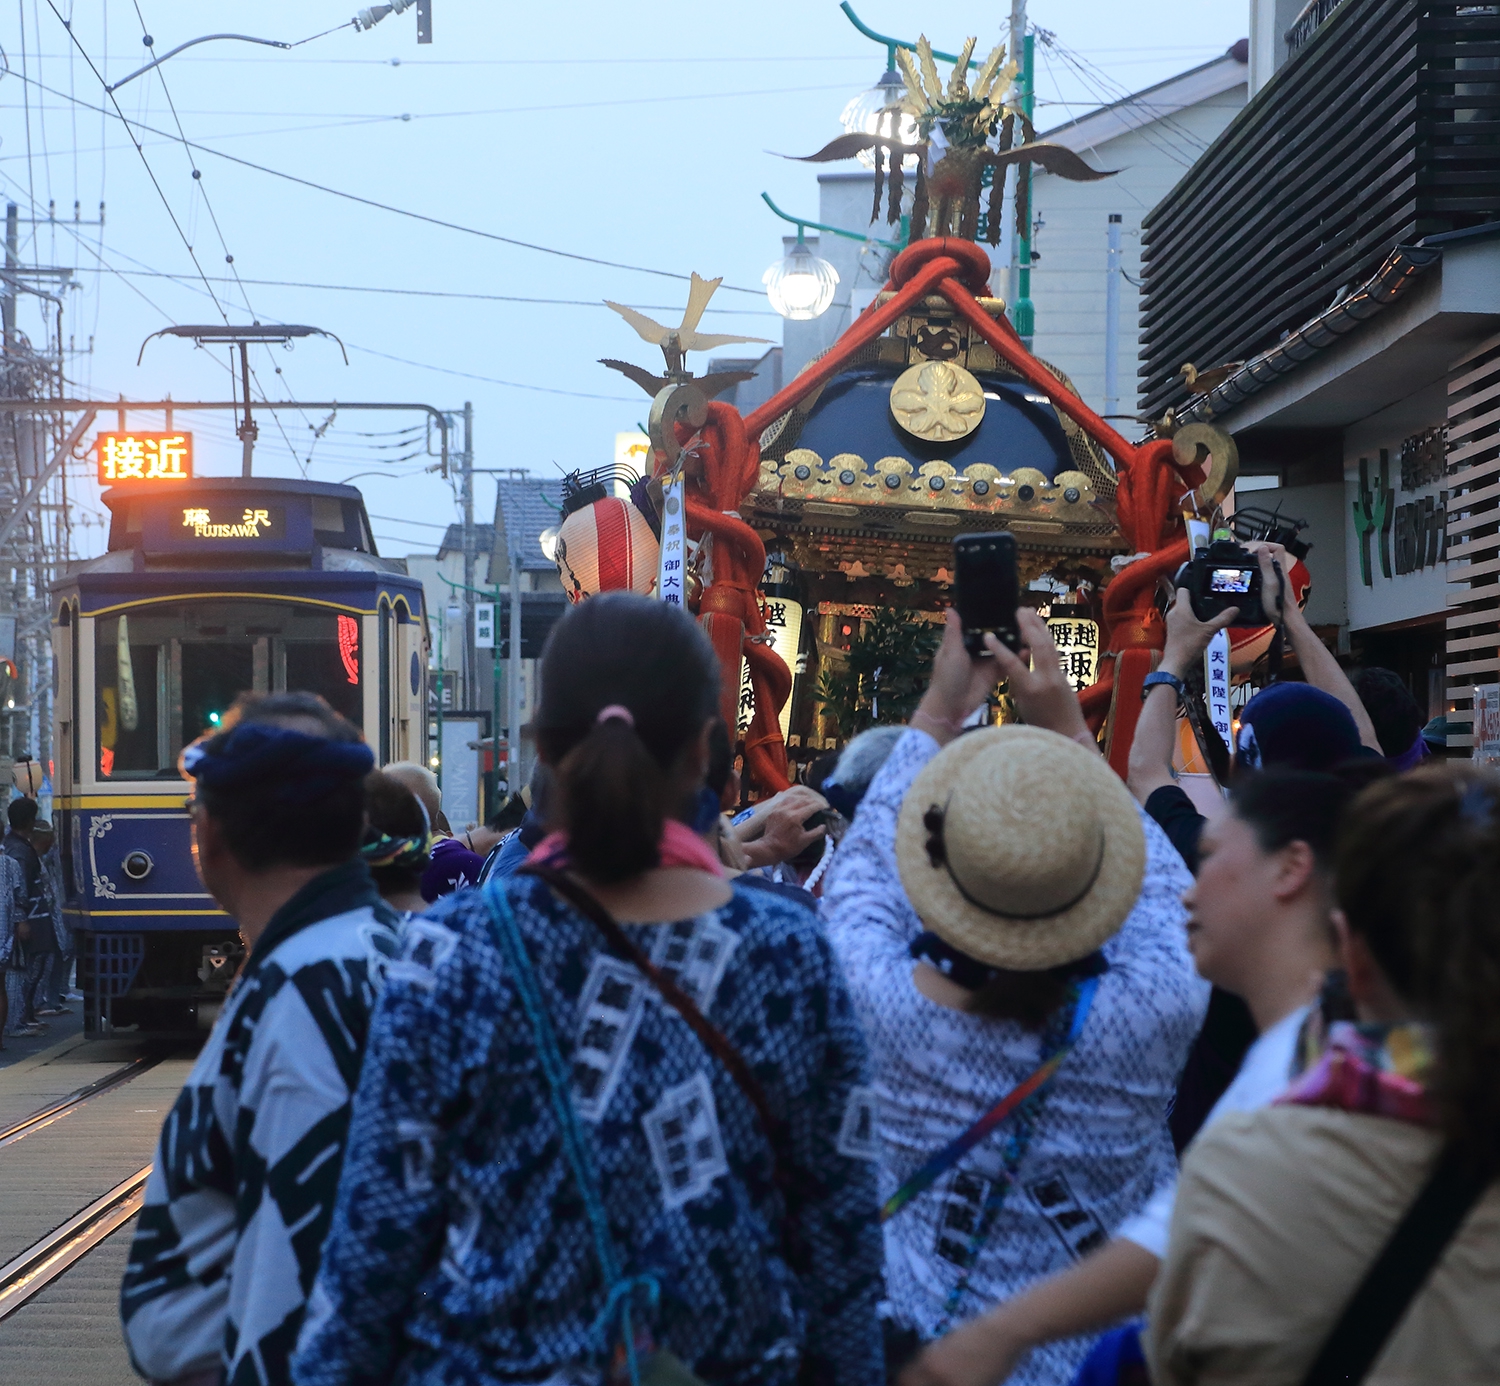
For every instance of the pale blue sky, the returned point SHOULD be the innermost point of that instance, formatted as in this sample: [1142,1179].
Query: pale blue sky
[640,133]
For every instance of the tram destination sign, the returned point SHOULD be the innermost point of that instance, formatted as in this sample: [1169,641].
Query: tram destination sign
[220,522]
[163,457]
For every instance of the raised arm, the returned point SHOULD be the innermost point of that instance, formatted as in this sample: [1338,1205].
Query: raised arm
[1150,766]
[1319,666]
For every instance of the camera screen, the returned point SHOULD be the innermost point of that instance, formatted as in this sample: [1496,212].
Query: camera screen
[1230,580]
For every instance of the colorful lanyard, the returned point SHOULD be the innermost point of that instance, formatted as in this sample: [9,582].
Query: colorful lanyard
[955,1150]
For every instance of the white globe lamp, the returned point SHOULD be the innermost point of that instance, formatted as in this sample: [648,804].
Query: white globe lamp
[801,286]
[871,113]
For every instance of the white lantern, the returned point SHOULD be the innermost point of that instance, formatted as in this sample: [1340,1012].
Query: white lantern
[1077,641]
[801,286]
[784,636]
[872,113]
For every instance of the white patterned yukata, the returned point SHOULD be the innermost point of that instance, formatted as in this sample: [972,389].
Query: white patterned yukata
[1099,1146]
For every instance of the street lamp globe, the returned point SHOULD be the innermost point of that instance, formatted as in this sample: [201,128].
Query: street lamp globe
[801,286]
[871,113]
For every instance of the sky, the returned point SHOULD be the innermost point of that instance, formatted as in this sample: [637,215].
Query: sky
[639,134]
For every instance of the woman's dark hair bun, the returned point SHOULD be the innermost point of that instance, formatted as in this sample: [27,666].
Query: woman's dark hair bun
[614,778]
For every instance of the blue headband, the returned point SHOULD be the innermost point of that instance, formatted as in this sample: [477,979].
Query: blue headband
[306,767]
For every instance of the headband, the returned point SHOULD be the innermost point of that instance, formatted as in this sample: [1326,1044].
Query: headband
[386,850]
[304,767]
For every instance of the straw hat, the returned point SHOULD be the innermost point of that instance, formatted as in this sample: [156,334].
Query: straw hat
[1020,848]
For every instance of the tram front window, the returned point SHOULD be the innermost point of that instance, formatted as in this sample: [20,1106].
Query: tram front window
[168,672]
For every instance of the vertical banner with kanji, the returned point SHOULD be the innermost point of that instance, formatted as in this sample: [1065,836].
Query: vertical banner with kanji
[1216,682]
[673,570]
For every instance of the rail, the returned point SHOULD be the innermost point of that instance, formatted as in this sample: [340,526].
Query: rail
[58,1110]
[22,1278]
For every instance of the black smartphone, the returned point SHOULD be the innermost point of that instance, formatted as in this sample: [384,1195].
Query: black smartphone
[987,590]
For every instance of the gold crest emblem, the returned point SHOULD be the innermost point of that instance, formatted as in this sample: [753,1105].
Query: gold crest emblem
[937,401]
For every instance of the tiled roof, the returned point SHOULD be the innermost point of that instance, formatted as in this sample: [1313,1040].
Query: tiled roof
[453,540]
[524,507]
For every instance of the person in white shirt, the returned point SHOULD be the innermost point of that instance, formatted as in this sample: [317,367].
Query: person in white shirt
[1259,926]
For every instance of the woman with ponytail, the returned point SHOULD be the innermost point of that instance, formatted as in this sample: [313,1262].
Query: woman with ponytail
[1352,1231]
[602,1133]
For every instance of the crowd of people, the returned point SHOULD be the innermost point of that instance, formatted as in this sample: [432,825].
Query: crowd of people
[36,944]
[963,1062]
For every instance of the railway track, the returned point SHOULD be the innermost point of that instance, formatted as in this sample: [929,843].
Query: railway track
[56,1111]
[24,1276]
[39,1265]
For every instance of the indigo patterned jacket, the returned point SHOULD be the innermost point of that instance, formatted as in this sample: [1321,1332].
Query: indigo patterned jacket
[460,1252]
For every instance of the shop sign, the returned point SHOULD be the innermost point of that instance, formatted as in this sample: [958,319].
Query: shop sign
[1487,723]
[1407,538]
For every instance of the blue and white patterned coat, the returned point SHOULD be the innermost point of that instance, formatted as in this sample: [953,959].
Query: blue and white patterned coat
[460,1253]
[1100,1144]
[247,1166]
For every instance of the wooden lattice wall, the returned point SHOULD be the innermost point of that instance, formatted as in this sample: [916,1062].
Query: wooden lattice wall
[1473,534]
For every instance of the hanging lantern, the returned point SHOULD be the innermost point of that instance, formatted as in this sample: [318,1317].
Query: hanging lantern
[801,286]
[604,543]
[1077,639]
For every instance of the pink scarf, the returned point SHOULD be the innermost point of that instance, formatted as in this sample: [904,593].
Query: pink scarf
[1379,1069]
[679,846]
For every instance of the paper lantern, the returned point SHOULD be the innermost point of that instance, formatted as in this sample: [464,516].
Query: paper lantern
[606,547]
[784,636]
[1077,641]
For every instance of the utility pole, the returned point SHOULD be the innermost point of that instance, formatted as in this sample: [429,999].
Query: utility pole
[12,263]
[513,676]
[466,476]
[248,430]
[1112,272]
[1023,314]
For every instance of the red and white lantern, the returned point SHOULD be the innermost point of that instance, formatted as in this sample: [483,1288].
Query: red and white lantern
[606,547]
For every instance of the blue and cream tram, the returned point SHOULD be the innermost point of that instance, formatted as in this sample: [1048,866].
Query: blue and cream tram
[210,587]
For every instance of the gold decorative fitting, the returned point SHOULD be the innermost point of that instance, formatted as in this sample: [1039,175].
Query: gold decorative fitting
[937,401]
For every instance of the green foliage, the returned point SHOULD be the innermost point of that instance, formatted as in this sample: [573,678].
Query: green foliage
[886,673]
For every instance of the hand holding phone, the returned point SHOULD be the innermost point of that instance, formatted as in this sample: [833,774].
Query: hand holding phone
[986,590]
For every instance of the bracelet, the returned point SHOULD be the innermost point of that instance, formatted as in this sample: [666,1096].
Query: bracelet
[1161,678]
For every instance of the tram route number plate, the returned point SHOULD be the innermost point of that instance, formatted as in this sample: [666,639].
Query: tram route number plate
[218,523]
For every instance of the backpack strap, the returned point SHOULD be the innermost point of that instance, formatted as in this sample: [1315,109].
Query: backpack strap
[1399,1273]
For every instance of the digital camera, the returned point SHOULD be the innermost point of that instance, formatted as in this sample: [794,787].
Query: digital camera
[1221,576]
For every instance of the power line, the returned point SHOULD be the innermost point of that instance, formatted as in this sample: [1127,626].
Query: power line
[387,207]
[445,293]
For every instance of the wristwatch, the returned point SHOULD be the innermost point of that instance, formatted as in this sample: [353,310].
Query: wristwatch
[1162,677]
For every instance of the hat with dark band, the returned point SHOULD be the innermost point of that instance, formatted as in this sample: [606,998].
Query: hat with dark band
[1020,848]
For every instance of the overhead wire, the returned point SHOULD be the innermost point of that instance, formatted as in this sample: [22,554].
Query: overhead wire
[202,192]
[407,212]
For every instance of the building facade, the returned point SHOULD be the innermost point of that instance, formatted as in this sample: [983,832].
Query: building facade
[1336,254]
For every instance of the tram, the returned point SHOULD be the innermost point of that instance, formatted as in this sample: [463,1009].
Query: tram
[210,587]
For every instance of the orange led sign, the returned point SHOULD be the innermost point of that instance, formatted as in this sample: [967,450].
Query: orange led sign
[145,457]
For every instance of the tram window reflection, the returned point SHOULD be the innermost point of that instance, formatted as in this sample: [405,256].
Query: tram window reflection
[168,671]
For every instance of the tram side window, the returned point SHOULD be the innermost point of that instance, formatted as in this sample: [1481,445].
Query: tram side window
[129,704]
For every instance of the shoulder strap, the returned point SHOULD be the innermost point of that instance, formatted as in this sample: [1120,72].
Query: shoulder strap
[1399,1273]
[620,1290]
[943,1160]
[713,1040]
